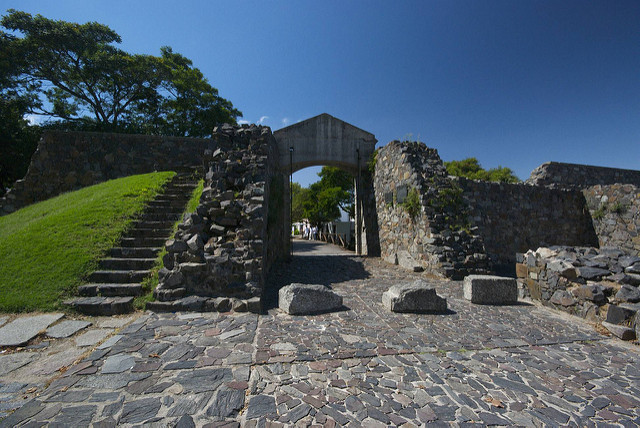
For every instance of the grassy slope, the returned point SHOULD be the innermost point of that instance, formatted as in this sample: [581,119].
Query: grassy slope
[47,248]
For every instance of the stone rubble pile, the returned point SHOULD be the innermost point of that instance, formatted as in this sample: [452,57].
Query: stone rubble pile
[217,253]
[596,284]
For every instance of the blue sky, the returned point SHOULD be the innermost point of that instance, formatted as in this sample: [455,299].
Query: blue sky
[512,83]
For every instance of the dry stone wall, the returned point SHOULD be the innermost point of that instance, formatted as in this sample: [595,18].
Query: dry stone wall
[615,210]
[574,176]
[421,218]
[222,251]
[596,284]
[513,218]
[67,161]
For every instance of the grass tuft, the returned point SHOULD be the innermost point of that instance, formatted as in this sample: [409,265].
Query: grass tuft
[46,249]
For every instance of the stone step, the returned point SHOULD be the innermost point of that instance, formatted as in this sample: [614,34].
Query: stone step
[139,232]
[165,224]
[173,217]
[102,305]
[110,290]
[126,263]
[163,210]
[142,242]
[134,252]
[119,276]
[173,202]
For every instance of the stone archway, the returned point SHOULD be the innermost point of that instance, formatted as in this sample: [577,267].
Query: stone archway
[326,140]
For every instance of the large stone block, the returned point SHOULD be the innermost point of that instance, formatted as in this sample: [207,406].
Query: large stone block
[490,290]
[416,297]
[303,299]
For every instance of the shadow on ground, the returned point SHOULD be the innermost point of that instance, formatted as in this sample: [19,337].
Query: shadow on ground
[312,263]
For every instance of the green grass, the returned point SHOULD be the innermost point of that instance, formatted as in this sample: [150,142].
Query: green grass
[151,282]
[46,249]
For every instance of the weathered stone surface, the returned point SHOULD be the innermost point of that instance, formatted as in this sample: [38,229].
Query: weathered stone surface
[92,337]
[66,328]
[118,363]
[23,329]
[490,290]
[227,403]
[628,293]
[417,297]
[301,299]
[139,410]
[621,331]
[592,292]
[11,362]
[563,298]
[261,405]
[592,273]
[621,314]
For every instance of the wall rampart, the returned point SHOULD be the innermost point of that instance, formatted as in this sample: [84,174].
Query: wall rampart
[574,176]
[421,216]
[513,218]
[615,210]
[225,248]
[67,161]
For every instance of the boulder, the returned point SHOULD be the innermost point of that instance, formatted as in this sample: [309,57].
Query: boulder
[304,299]
[563,298]
[415,297]
[623,332]
[621,314]
[490,290]
[628,293]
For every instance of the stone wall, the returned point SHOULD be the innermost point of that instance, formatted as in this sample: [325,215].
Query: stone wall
[421,217]
[513,218]
[67,161]
[615,210]
[596,284]
[224,250]
[573,176]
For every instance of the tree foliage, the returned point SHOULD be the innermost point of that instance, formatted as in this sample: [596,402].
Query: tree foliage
[18,139]
[76,77]
[322,201]
[88,83]
[471,168]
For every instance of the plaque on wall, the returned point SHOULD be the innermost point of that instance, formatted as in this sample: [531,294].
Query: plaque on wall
[401,194]
[388,198]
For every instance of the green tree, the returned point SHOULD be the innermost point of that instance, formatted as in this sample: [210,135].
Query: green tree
[331,177]
[188,105]
[18,139]
[91,84]
[299,195]
[324,199]
[471,168]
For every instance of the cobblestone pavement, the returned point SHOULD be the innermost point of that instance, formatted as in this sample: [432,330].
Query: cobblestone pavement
[363,366]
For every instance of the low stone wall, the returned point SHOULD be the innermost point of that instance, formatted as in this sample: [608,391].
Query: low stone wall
[574,176]
[615,210]
[67,161]
[513,218]
[421,216]
[585,282]
[223,250]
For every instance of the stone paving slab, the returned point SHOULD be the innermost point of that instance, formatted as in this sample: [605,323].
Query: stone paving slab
[364,366]
[21,330]
[3,320]
[66,328]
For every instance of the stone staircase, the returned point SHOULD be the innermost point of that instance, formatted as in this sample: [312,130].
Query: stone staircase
[112,288]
